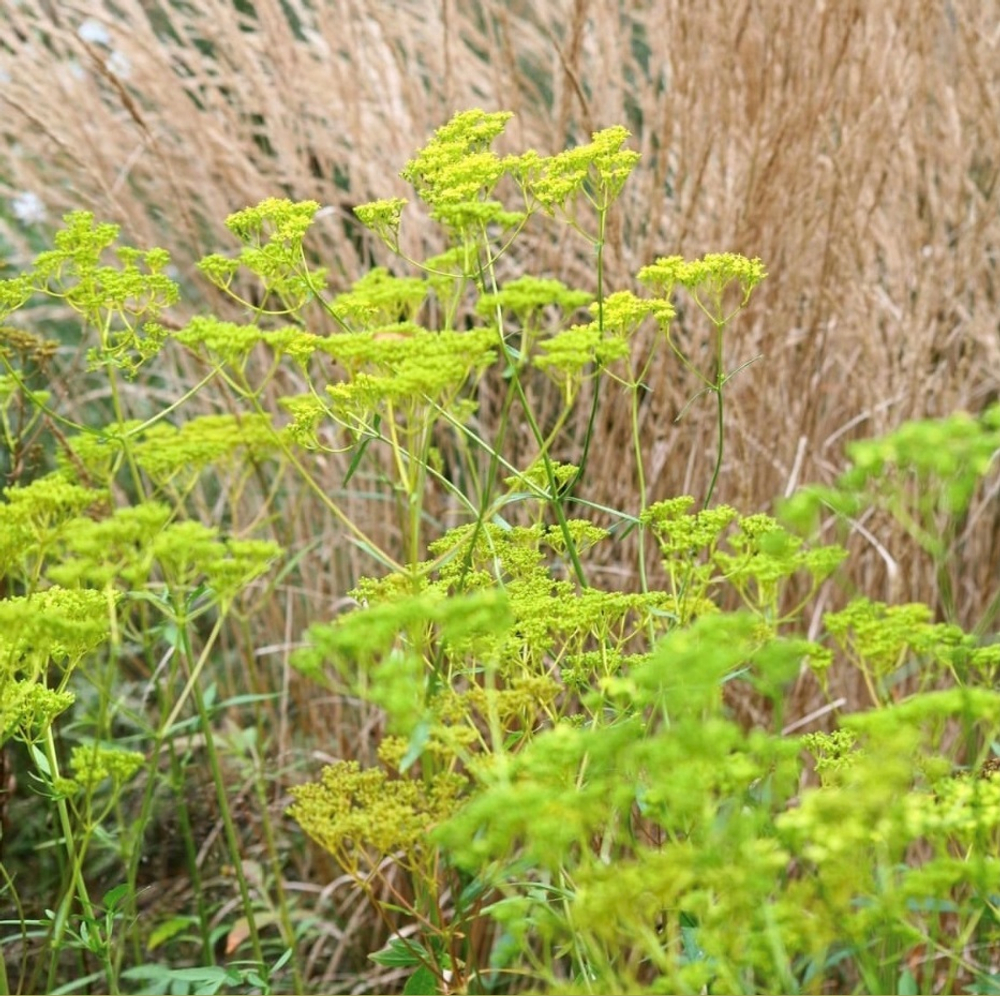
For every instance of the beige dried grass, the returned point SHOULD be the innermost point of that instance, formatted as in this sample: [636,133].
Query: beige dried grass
[854,148]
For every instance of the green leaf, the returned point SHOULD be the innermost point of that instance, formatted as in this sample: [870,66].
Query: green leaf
[689,938]
[989,984]
[472,892]
[113,897]
[359,454]
[205,973]
[167,930]
[41,761]
[422,983]
[399,953]
[418,741]
[77,985]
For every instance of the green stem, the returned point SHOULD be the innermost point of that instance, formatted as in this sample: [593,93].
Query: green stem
[536,431]
[602,217]
[77,883]
[946,593]
[119,410]
[643,498]
[287,928]
[720,381]
[191,856]
[229,828]
[419,443]
[286,450]
[162,735]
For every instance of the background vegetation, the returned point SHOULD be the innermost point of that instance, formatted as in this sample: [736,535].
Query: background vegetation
[852,147]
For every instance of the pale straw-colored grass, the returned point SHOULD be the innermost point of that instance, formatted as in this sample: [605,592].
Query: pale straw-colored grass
[853,147]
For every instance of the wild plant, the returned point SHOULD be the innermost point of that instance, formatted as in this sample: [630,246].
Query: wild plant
[560,799]
[99,563]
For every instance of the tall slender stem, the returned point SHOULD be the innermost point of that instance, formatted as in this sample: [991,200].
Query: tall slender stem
[720,381]
[76,874]
[536,431]
[602,217]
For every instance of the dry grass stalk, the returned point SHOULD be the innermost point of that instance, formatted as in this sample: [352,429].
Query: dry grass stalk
[855,150]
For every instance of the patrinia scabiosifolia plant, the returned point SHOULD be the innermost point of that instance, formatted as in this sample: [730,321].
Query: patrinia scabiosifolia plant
[562,800]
